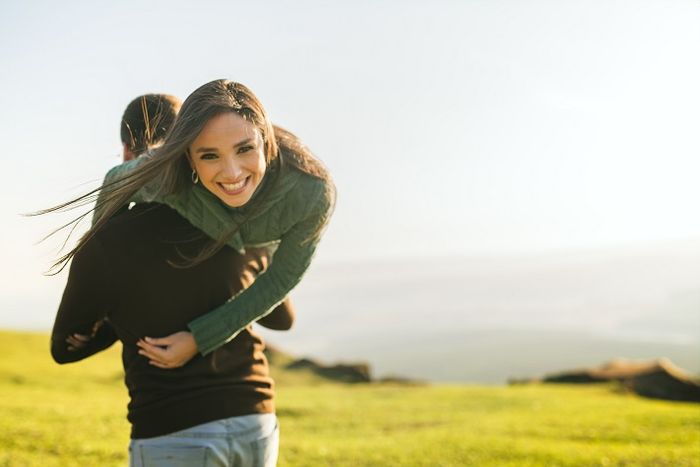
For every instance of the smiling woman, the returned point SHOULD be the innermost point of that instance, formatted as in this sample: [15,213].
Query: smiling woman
[225,184]
[228,158]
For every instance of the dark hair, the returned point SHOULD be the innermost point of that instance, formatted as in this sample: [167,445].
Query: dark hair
[147,119]
[168,170]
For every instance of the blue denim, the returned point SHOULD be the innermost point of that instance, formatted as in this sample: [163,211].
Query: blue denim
[246,441]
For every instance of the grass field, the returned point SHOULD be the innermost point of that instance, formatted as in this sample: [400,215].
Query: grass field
[69,415]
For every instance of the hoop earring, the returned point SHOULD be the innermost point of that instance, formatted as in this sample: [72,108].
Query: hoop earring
[195,176]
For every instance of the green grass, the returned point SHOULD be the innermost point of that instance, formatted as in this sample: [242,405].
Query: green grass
[75,415]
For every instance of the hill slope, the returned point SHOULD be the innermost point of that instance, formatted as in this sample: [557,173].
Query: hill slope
[54,415]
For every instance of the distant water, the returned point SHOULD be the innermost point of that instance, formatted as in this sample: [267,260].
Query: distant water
[486,319]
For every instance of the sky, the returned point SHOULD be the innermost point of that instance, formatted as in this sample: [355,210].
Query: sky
[451,128]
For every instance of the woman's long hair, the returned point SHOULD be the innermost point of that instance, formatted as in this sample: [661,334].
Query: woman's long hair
[170,167]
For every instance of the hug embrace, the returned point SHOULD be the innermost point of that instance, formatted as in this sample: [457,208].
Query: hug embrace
[192,242]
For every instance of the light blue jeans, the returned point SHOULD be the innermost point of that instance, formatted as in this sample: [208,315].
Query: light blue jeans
[247,441]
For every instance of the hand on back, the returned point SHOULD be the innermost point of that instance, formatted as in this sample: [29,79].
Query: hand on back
[169,352]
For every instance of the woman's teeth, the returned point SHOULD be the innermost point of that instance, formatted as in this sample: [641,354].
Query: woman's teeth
[234,186]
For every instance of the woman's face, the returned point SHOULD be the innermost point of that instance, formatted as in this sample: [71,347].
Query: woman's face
[228,155]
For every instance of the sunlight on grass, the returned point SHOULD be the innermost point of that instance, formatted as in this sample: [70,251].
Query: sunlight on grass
[55,415]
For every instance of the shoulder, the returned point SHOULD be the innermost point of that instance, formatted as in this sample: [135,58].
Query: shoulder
[127,167]
[310,193]
[313,202]
[139,223]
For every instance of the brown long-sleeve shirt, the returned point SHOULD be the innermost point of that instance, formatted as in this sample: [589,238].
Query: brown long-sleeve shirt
[123,275]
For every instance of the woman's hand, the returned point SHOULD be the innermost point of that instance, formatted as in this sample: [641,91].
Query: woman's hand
[78,341]
[169,352]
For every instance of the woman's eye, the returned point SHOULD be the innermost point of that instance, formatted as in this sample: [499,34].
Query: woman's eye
[243,149]
[208,156]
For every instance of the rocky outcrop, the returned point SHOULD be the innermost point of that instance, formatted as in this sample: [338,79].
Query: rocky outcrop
[659,379]
[281,361]
[346,373]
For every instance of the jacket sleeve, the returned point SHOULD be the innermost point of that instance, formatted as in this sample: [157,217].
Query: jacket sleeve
[289,263]
[85,301]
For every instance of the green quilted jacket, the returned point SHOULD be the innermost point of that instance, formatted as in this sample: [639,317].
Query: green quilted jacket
[293,210]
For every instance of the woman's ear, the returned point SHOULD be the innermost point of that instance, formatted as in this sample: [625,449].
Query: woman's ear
[127,154]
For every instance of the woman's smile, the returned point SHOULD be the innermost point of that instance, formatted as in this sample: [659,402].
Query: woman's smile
[233,189]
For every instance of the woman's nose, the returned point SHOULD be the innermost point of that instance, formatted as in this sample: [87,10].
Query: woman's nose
[232,168]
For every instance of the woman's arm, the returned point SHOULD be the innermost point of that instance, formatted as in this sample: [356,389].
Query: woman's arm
[312,198]
[289,263]
[175,350]
[269,290]
[102,336]
[85,301]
